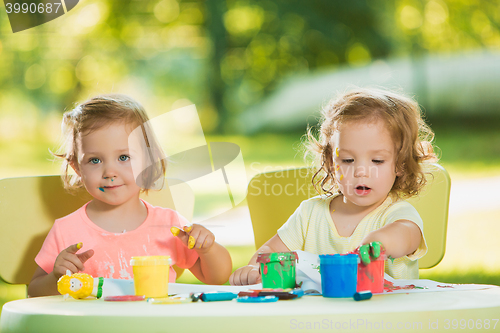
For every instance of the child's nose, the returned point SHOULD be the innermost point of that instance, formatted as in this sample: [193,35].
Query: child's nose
[109,172]
[360,171]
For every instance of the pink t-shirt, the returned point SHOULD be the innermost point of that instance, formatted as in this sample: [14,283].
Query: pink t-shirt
[112,251]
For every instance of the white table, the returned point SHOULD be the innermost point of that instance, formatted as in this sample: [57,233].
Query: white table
[415,312]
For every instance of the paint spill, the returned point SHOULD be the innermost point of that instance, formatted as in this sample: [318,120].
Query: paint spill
[101,189]
[390,287]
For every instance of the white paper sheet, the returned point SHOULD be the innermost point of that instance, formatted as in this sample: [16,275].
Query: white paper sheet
[309,275]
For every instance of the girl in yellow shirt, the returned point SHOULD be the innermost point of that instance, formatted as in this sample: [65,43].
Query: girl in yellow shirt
[370,149]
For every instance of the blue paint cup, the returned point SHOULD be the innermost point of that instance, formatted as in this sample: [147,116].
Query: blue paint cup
[339,274]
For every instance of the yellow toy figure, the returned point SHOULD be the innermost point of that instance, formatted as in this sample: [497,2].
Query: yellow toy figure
[79,285]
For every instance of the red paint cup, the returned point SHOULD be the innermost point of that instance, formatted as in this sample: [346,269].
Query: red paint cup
[371,276]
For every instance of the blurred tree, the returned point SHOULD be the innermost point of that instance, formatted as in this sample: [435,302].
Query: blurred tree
[270,40]
[222,55]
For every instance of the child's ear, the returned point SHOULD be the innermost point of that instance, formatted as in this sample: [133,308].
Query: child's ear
[74,166]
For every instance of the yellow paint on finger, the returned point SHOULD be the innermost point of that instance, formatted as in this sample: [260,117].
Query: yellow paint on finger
[188,228]
[79,245]
[191,242]
[175,231]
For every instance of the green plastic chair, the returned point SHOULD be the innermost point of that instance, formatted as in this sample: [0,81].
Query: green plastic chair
[274,196]
[30,205]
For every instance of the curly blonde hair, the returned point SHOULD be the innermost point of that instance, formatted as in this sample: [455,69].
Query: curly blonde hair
[99,112]
[403,118]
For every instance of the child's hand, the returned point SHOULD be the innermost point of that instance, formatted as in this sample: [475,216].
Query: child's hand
[371,250]
[68,259]
[245,275]
[195,237]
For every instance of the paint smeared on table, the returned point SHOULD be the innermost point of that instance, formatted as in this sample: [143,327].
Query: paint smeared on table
[390,287]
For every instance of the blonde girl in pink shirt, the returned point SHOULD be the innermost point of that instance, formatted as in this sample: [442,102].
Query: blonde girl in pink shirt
[102,236]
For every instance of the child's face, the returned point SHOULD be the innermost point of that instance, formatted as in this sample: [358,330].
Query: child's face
[365,166]
[105,164]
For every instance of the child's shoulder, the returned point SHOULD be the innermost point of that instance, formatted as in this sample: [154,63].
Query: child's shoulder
[400,204]
[402,209]
[72,217]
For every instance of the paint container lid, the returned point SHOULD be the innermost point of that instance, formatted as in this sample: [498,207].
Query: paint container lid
[362,295]
[339,259]
[276,256]
[150,261]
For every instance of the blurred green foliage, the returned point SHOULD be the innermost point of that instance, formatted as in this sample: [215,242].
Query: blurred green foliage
[221,55]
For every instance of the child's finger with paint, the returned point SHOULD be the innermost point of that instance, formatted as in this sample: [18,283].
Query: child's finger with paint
[176,230]
[68,259]
[204,240]
[184,236]
[368,251]
[195,235]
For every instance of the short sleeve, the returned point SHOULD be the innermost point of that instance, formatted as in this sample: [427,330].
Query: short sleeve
[293,232]
[47,255]
[186,258]
[403,210]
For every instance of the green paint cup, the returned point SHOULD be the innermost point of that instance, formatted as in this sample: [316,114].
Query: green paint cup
[278,269]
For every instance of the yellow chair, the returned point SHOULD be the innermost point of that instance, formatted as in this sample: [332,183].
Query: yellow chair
[29,206]
[274,196]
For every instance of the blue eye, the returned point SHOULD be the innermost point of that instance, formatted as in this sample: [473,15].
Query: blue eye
[124,158]
[94,160]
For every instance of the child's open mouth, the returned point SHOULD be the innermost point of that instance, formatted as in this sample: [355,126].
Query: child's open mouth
[362,190]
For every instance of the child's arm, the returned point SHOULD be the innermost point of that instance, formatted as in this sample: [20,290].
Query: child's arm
[214,263]
[250,274]
[399,238]
[43,284]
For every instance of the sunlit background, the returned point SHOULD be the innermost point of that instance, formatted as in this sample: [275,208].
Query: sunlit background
[258,73]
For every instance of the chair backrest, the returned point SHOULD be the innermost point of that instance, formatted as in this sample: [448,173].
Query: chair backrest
[274,196]
[30,205]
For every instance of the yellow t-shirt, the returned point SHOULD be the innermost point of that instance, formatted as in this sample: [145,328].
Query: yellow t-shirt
[311,229]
